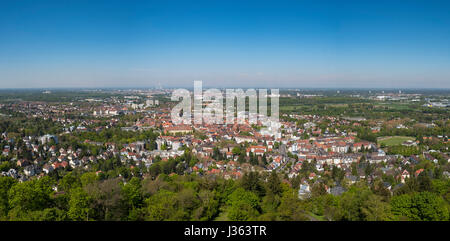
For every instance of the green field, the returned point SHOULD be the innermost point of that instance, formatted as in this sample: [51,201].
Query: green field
[393,140]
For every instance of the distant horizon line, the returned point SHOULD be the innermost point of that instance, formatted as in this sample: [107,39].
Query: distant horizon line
[235,87]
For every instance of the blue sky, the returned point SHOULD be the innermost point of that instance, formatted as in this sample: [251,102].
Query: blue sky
[345,44]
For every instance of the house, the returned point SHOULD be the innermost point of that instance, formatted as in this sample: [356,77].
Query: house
[409,143]
[430,157]
[12,173]
[414,160]
[416,173]
[214,171]
[178,129]
[380,152]
[22,163]
[304,191]
[62,164]
[276,162]
[446,157]
[446,174]
[373,159]
[337,191]
[403,176]
[358,146]
[257,150]
[29,170]
[241,139]
[352,179]
[47,168]
[74,163]
[292,174]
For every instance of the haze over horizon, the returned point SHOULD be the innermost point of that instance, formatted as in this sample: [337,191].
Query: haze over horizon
[284,44]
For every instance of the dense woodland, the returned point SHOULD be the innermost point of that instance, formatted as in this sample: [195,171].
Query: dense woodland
[120,194]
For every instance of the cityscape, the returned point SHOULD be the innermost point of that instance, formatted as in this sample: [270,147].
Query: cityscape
[119,150]
[224,111]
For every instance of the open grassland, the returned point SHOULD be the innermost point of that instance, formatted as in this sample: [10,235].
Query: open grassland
[393,140]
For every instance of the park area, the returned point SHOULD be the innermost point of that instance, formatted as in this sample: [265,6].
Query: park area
[393,140]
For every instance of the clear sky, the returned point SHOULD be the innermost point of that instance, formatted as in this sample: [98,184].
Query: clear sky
[345,44]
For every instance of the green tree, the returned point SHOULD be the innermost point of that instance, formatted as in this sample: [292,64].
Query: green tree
[252,182]
[424,182]
[440,187]
[80,205]
[274,183]
[48,214]
[5,185]
[374,209]
[69,181]
[351,203]
[132,194]
[161,206]
[30,196]
[424,206]
[401,206]
[187,201]
[270,203]
[88,178]
[430,207]
[318,189]
[155,169]
[290,208]
[209,206]
[107,199]
[243,205]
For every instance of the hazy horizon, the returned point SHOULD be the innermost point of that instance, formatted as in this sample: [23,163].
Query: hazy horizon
[282,44]
[190,88]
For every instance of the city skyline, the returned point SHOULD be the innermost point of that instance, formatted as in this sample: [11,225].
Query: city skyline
[320,44]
